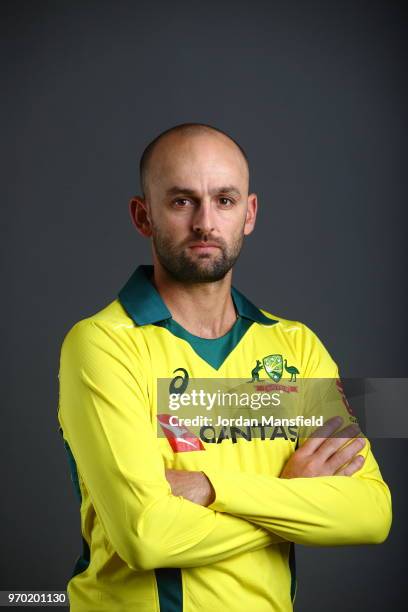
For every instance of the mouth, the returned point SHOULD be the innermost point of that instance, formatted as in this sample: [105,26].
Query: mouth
[203,246]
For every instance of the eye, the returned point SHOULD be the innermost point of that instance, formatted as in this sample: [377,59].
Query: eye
[181,202]
[225,201]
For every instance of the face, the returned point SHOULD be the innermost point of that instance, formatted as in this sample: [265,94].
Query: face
[197,207]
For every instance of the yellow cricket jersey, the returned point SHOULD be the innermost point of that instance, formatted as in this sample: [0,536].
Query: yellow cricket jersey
[146,550]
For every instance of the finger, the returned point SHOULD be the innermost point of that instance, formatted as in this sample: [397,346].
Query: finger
[320,434]
[354,465]
[332,444]
[350,431]
[345,454]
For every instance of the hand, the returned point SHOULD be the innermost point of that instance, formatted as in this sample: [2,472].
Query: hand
[327,456]
[194,486]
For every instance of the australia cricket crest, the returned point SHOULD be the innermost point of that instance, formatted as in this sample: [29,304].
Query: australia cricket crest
[273,365]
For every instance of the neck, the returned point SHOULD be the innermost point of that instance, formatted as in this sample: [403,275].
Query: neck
[203,309]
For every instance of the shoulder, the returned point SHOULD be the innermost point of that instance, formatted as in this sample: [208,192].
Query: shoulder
[316,358]
[112,316]
[295,328]
[104,350]
[109,329]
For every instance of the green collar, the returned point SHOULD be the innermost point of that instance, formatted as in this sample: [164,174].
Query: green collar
[143,302]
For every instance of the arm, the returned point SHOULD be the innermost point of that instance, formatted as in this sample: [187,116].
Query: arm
[105,417]
[266,501]
[316,511]
[323,510]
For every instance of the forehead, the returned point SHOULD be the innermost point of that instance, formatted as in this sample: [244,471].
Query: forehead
[197,161]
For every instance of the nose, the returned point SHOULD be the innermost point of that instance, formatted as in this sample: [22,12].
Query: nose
[203,222]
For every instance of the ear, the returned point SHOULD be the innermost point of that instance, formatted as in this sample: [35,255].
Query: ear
[251,213]
[139,215]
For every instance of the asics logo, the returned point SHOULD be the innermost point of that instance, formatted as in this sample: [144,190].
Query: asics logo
[179,383]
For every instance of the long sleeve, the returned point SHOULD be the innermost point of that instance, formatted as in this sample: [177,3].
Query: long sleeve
[320,511]
[104,413]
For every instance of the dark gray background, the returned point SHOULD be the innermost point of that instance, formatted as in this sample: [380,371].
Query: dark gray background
[317,95]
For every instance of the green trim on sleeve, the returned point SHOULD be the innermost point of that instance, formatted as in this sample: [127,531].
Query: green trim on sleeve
[170,589]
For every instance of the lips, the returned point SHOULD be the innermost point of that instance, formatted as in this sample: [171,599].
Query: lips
[203,245]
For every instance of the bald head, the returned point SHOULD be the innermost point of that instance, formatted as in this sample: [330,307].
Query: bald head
[176,140]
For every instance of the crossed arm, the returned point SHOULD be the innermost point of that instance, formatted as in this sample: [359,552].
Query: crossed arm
[325,495]
[104,418]
[319,456]
[103,415]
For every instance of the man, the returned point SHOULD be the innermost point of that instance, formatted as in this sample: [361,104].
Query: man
[174,521]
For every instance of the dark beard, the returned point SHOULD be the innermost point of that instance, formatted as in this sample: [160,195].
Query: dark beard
[183,269]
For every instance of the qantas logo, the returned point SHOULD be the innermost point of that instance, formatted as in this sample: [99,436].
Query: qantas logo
[180,439]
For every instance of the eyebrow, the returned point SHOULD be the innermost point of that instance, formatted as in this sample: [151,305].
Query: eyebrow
[186,190]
